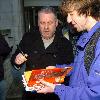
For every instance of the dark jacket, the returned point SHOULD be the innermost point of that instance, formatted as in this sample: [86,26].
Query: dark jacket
[59,52]
[4,51]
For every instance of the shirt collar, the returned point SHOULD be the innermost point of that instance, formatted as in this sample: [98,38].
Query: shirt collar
[85,37]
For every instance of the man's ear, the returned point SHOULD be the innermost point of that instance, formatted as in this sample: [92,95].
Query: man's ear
[56,22]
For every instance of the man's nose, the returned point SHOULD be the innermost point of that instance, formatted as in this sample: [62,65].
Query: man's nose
[69,19]
[46,26]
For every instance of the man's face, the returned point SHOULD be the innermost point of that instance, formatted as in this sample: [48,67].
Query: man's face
[78,21]
[47,24]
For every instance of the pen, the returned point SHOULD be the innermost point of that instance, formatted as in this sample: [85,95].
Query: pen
[21,51]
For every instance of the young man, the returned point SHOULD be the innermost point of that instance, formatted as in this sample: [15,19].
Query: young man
[84,84]
[45,46]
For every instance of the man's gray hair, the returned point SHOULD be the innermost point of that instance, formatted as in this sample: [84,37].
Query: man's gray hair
[48,10]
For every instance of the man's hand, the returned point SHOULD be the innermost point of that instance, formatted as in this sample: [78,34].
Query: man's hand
[48,87]
[20,58]
[50,67]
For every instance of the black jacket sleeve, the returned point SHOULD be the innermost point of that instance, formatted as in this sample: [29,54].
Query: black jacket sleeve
[24,45]
[4,49]
[17,51]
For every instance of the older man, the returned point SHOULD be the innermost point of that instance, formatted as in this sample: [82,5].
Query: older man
[45,46]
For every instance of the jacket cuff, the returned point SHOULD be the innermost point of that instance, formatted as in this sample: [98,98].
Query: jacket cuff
[60,90]
[61,66]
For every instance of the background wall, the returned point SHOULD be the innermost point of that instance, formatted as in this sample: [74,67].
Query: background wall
[41,2]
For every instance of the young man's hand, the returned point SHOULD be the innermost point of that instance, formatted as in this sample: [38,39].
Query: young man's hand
[48,87]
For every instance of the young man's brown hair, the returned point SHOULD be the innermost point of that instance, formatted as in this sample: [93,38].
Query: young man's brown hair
[82,7]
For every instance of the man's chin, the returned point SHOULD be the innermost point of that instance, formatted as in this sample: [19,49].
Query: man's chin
[46,38]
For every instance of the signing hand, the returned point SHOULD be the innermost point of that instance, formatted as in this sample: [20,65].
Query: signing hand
[20,58]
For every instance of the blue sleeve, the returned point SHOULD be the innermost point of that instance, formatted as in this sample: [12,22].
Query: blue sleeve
[90,90]
[68,93]
[64,65]
[61,66]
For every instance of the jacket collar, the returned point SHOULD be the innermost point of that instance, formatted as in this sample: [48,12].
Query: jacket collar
[85,37]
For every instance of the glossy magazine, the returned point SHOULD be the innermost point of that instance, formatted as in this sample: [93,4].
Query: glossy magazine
[55,76]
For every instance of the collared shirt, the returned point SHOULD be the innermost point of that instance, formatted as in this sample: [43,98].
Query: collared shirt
[82,86]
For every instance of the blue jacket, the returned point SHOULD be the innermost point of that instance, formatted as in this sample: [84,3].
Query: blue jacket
[83,86]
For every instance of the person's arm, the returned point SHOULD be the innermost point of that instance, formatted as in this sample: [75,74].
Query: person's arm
[18,60]
[24,45]
[19,53]
[91,90]
[4,50]
[4,47]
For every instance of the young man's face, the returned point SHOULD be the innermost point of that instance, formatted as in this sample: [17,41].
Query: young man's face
[47,24]
[78,21]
